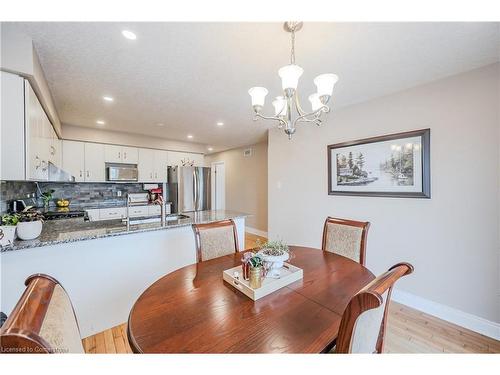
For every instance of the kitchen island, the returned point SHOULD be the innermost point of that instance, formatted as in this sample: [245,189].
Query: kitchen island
[103,266]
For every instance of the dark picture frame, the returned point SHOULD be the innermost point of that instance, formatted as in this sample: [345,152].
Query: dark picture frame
[341,184]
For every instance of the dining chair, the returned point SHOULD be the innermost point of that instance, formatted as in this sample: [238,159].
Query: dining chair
[215,239]
[43,320]
[346,237]
[363,324]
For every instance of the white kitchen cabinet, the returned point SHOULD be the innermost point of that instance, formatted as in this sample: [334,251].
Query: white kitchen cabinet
[55,156]
[120,154]
[42,143]
[138,211]
[112,213]
[37,132]
[93,214]
[152,165]
[130,155]
[12,155]
[94,163]
[146,165]
[160,166]
[74,159]
[155,210]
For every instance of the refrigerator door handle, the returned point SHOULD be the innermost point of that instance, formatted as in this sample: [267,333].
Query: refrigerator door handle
[195,190]
[198,189]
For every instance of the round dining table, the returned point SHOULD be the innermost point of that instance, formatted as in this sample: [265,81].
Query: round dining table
[192,310]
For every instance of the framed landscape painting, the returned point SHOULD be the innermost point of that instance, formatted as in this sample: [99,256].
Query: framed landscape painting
[395,165]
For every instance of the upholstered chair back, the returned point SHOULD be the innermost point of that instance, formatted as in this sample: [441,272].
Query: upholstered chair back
[216,239]
[43,321]
[363,325]
[346,238]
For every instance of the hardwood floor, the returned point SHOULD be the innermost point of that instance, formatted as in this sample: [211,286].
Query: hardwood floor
[251,240]
[408,331]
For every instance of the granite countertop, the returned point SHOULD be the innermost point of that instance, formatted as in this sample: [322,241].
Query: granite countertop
[76,229]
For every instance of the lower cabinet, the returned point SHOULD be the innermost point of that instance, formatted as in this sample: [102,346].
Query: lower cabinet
[112,213]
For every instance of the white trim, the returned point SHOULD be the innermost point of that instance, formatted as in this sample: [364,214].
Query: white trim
[463,319]
[256,231]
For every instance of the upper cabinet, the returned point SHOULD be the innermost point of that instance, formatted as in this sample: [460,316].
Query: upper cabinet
[121,154]
[12,127]
[74,159]
[84,161]
[152,165]
[95,170]
[39,142]
[185,158]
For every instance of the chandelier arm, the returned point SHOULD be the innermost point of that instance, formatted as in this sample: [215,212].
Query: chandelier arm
[316,114]
[258,115]
[299,109]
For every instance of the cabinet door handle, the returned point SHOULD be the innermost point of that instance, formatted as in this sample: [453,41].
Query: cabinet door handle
[151,175]
[37,165]
[124,155]
[119,155]
[88,173]
[81,174]
[156,175]
[53,150]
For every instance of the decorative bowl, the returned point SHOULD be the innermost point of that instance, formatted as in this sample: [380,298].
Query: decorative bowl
[275,260]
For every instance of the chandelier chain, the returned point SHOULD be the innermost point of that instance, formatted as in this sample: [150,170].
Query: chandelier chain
[292,54]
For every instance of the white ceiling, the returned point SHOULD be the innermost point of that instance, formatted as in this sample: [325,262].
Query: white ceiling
[191,75]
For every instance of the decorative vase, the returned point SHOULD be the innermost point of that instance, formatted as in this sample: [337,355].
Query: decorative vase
[255,276]
[29,230]
[7,234]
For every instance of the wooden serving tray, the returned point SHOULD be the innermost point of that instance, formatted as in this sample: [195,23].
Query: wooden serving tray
[287,275]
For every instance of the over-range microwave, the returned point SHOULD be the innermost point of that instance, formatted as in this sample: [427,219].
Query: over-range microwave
[122,172]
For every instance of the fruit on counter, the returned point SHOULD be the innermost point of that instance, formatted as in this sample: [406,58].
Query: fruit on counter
[62,202]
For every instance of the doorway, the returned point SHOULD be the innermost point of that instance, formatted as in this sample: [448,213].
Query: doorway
[218,185]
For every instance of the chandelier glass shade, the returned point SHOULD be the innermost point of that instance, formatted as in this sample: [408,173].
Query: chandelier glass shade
[288,104]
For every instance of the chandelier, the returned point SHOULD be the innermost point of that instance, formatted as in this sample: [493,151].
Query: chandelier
[289,102]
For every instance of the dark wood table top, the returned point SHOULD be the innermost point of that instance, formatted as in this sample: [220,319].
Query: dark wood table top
[192,310]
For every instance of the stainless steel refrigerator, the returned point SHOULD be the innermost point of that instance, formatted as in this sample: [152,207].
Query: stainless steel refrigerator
[189,189]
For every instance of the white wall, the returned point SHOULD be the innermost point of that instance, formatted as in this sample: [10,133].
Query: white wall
[452,239]
[246,182]
[80,133]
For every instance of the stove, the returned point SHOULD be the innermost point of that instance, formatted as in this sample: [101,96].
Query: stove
[63,214]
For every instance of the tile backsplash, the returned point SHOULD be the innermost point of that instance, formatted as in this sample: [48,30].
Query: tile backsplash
[77,193]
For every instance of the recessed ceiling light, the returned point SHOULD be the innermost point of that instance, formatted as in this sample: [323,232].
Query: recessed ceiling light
[108,98]
[220,123]
[129,35]
[160,124]
[210,149]
[190,136]
[100,122]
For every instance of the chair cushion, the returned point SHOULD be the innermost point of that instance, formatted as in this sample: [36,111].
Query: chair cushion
[344,240]
[217,242]
[59,327]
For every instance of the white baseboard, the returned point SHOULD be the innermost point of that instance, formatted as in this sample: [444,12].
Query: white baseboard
[460,318]
[256,231]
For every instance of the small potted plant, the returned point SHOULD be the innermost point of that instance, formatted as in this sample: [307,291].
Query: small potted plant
[274,252]
[256,271]
[47,198]
[29,226]
[8,229]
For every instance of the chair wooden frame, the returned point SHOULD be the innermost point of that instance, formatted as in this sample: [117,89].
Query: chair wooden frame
[217,224]
[366,299]
[20,332]
[365,225]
